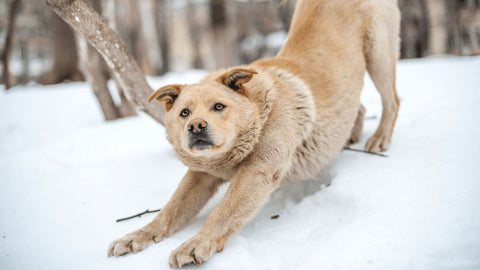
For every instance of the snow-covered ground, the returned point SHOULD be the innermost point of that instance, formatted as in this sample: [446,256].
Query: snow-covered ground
[66,175]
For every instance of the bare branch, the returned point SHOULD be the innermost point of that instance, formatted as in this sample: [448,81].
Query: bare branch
[364,151]
[125,70]
[138,215]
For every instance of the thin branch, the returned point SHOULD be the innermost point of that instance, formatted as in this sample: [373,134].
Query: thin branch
[138,215]
[364,151]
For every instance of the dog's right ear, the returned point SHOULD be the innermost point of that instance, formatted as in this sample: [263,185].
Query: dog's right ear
[168,94]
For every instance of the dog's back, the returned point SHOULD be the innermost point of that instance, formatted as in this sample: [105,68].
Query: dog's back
[330,45]
[332,34]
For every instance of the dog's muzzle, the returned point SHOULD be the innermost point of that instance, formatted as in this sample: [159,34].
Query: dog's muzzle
[198,136]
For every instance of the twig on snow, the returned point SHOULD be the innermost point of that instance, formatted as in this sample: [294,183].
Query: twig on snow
[364,151]
[138,215]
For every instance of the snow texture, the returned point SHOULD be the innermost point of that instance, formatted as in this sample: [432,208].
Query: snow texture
[66,175]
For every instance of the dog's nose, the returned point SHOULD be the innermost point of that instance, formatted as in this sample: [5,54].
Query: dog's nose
[197,125]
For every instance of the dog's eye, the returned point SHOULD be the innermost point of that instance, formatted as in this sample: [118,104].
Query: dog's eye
[184,113]
[218,107]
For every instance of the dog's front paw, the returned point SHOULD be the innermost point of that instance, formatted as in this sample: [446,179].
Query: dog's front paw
[378,143]
[134,242]
[197,250]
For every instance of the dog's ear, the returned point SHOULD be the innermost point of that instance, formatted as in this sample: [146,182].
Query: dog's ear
[236,77]
[168,94]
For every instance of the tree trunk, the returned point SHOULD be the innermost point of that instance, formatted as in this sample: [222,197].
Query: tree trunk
[162,24]
[149,34]
[195,30]
[91,66]
[438,27]
[13,12]
[286,14]
[65,63]
[455,43]
[464,25]
[221,46]
[137,37]
[474,40]
[108,11]
[125,108]
[95,72]
[25,62]
[120,61]
[414,28]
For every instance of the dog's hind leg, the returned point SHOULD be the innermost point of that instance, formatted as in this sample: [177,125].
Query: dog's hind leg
[381,51]
[356,133]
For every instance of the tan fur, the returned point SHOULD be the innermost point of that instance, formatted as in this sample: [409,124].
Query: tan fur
[280,120]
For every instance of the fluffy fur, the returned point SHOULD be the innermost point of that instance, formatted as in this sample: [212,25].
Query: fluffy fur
[274,121]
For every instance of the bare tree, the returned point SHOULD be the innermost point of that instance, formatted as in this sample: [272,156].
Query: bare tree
[218,15]
[91,65]
[437,43]
[130,28]
[435,27]
[95,72]
[463,27]
[414,28]
[125,108]
[149,34]
[65,65]
[162,24]
[25,62]
[286,13]
[7,50]
[256,20]
[125,70]
[194,28]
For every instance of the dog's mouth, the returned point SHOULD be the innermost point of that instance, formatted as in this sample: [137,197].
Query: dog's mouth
[199,143]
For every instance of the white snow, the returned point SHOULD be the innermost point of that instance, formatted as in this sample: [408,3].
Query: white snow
[66,175]
[276,39]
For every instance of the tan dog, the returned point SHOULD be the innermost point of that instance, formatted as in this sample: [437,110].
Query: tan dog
[274,121]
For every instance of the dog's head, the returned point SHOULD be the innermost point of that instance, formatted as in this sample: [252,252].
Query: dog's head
[206,119]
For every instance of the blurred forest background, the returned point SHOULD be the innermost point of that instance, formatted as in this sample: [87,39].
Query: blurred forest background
[177,35]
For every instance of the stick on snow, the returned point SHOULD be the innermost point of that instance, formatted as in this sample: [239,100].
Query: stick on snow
[138,215]
[364,151]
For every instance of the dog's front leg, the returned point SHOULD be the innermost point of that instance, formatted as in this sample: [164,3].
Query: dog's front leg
[249,190]
[192,194]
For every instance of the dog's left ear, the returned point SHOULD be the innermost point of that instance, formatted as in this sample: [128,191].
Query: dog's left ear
[168,94]
[236,77]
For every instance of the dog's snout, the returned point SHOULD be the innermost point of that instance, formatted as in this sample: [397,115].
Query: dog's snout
[197,125]
[198,135]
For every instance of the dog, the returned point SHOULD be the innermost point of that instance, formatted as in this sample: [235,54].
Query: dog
[274,121]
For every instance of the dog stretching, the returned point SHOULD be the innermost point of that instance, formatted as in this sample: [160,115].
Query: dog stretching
[274,121]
